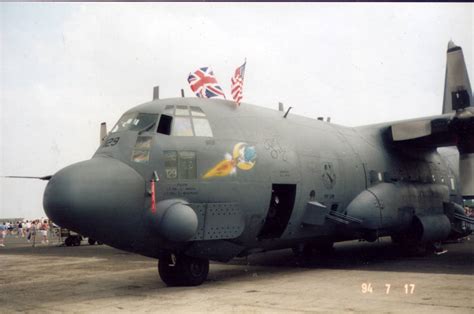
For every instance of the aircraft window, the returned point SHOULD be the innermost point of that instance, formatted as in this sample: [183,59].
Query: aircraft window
[141,156]
[124,122]
[182,126]
[202,127]
[141,151]
[169,109]
[187,165]
[197,112]
[181,111]
[134,122]
[171,164]
[164,127]
[143,142]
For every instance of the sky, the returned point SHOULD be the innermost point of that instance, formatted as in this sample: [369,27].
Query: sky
[66,67]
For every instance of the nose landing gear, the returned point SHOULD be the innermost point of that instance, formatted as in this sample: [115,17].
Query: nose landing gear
[182,270]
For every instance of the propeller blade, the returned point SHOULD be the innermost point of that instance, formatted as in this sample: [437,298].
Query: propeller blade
[45,178]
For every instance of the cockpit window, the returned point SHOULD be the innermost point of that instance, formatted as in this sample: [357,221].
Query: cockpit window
[135,121]
[187,121]
[182,126]
[169,109]
[202,127]
[197,112]
[182,111]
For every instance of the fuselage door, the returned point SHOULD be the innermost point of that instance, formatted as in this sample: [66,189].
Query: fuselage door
[279,211]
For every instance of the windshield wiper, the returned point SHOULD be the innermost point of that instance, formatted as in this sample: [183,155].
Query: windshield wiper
[148,128]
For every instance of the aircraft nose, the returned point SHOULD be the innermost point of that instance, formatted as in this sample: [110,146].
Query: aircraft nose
[94,196]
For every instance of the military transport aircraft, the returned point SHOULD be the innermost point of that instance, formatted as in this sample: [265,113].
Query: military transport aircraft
[191,180]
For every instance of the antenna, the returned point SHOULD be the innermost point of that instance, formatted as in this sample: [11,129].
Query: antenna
[103,132]
[156,92]
[287,112]
[281,107]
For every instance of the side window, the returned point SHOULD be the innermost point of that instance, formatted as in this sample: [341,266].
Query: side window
[164,127]
[180,164]
[187,165]
[171,164]
[141,151]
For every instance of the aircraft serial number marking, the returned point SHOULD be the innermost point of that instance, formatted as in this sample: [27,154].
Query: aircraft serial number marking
[111,141]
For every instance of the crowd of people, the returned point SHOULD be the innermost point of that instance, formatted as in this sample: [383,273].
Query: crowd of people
[30,230]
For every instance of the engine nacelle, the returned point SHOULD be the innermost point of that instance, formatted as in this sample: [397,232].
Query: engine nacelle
[174,219]
[391,207]
[430,228]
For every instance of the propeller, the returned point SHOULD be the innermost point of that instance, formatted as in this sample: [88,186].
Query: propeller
[454,128]
[45,178]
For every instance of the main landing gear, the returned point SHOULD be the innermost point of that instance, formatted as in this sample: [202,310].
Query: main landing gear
[182,270]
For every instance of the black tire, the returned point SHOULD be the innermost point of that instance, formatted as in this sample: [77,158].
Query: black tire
[91,241]
[68,241]
[185,271]
[77,241]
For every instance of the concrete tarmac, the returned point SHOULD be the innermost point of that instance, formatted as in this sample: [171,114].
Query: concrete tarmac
[358,277]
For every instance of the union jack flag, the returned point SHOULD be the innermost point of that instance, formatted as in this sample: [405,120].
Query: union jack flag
[204,84]
[238,83]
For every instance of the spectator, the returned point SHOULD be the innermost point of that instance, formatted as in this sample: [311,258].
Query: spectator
[32,233]
[20,230]
[8,226]
[44,231]
[28,227]
[3,234]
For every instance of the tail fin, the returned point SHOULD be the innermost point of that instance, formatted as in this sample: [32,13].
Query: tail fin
[457,89]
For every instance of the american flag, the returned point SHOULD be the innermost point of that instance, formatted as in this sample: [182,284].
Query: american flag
[238,83]
[204,84]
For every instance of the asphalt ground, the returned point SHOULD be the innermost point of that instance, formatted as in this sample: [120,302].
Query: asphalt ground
[358,277]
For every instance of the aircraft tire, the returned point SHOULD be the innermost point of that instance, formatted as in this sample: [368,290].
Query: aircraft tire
[91,241]
[186,270]
[77,241]
[68,241]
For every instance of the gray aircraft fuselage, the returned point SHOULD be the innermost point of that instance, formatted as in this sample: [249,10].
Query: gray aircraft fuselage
[255,181]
